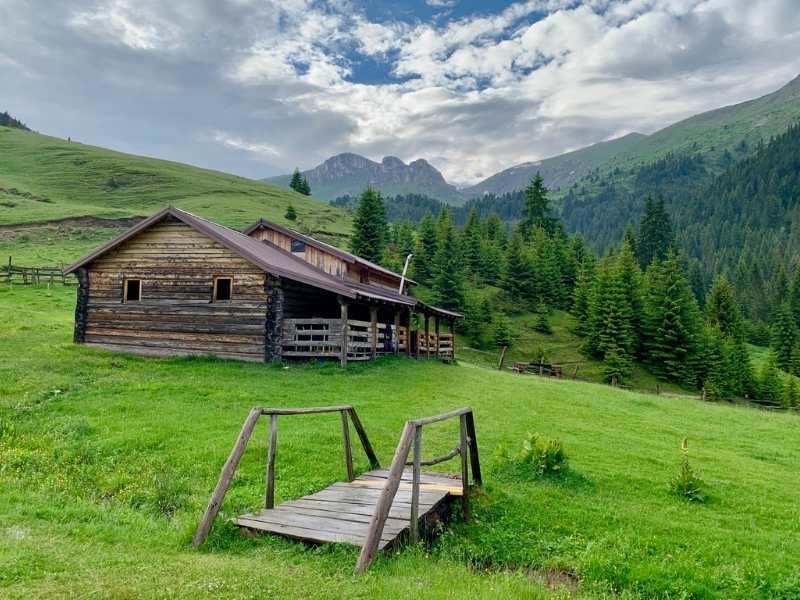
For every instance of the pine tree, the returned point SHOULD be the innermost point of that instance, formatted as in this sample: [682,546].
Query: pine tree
[616,365]
[541,322]
[472,245]
[304,188]
[518,272]
[655,232]
[494,230]
[501,331]
[610,314]
[581,294]
[716,365]
[449,280]
[770,386]
[784,337]
[537,208]
[630,276]
[369,227]
[296,183]
[722,310]
[291,214]
[791,394]
[670,322]
[794,298]
[426,250]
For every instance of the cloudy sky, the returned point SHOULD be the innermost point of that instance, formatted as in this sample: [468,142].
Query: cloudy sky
[256,87]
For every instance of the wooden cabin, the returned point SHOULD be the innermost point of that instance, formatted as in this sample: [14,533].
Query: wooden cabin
[177,284]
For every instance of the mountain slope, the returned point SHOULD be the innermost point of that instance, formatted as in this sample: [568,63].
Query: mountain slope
[557,171]
[348,174]
[716,134]
[45,178]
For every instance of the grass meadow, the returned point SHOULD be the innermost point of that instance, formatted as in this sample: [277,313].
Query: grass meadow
[107,462]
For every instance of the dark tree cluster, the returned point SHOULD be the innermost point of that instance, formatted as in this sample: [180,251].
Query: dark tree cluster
[299,183]
[6,120]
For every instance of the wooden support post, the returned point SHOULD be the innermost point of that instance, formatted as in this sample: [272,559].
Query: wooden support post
[473,449]
[408,333]
[427,336]
[225,478]
[436,329]
[362,435]
[502,358]
[397,332]
[385,500]
[345,330]
[414,517]
[269,498]
[348,452]
[373,331]
[453,334]
[464,470]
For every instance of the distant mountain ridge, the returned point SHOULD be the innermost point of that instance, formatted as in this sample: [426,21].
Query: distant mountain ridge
[349,173]
[714,134]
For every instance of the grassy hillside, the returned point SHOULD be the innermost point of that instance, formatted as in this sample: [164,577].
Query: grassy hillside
[557,171]
[44,178]
[107,461]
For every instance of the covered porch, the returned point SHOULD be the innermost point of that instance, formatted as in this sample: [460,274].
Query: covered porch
[334,327]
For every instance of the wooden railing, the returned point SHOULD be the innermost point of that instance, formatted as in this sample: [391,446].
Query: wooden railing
[307,338]
[348,414]
[467,450]
[428,345]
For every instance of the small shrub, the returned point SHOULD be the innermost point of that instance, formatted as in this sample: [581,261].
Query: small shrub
[538,456]
[686,483]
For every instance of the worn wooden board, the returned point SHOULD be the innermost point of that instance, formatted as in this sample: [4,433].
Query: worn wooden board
[342,512]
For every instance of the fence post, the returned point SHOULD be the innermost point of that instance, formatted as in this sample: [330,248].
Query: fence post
[415,476]
[464,470]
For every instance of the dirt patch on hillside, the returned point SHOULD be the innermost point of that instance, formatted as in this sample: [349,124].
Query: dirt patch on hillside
[67,223]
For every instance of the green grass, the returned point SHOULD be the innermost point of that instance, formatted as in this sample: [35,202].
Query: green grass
[107,461]
[44,178]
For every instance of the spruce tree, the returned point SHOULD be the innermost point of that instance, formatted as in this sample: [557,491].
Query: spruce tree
[670,322]
[518,271]
[304,188]
[770,385]
[291,214]
[537,208]
[449,279]
[609,326]
[427,241]
[722,309]
[541,321]
[472,245]
[794,298]
[784,337]
[791,394]
[369,227]
[630,276]
[296,182]
[581,294]
[655,232]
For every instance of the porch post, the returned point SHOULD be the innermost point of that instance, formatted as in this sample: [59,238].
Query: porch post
[396,331]
[436,327]
[453,334]
[345,328]
[273,329]
[408,333]
[373,330]
[427,336]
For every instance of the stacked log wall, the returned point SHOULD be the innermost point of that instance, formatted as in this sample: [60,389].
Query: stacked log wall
[175,316]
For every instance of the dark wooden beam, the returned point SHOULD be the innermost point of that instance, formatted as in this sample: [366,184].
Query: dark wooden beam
[81,306]
[373,330]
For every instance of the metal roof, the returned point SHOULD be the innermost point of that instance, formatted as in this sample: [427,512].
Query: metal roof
[265,255]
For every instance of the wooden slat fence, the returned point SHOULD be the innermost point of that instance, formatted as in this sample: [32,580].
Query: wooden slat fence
[12,273]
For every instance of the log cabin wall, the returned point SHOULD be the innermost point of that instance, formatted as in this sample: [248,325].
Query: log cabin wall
[176,316]
[329,263]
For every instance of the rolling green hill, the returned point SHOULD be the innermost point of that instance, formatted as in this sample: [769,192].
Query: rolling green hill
[44,178]
[108,460]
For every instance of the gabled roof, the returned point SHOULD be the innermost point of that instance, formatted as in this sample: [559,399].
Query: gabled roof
[348,257]
[266,256]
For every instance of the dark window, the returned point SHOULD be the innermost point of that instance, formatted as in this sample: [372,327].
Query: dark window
[298,246]
[133,290]
[223,286]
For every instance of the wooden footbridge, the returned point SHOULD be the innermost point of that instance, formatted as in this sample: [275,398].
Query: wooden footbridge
[375,510]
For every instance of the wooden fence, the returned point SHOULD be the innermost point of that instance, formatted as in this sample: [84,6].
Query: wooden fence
[11,273]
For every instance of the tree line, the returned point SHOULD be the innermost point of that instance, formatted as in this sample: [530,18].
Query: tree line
[634,304]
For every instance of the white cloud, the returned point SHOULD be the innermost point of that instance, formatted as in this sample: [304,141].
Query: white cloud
[473,94]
